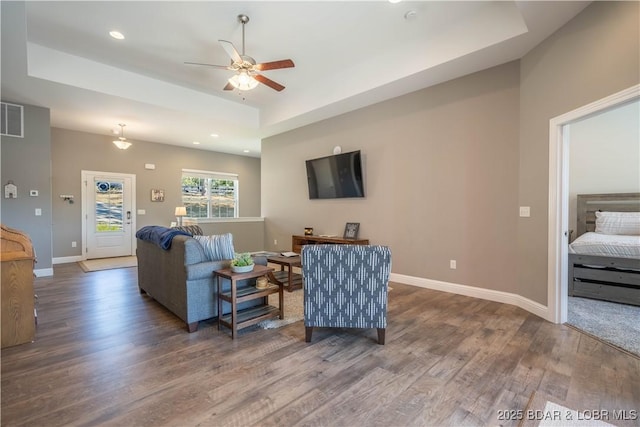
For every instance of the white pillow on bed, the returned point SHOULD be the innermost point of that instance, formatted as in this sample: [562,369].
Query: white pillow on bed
[627,223]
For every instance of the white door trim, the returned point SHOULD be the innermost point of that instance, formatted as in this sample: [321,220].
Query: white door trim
[84,177]
[557,280]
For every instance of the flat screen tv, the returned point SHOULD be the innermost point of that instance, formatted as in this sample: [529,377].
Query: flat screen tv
[336,176]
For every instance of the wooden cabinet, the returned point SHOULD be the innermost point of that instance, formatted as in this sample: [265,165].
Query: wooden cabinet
[17,295]
[297,242]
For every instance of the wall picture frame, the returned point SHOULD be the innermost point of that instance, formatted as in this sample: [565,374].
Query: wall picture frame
[157,195]
[351,230]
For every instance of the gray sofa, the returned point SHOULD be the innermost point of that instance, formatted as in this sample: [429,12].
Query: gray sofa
[181,279]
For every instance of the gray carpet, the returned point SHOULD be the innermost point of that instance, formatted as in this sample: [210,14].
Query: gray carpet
[617,324]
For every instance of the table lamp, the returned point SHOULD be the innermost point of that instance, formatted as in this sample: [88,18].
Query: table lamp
[180,212]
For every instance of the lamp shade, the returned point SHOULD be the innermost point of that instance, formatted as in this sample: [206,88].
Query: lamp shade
[181,211]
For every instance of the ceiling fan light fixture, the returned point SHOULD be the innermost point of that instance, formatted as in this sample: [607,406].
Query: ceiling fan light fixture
[243,81]
[122,142]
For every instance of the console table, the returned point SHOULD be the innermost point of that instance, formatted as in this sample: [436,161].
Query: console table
[297,242]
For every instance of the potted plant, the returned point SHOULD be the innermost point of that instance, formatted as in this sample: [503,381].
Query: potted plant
[242,263]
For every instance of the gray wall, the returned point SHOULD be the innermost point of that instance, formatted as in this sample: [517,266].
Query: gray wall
[27,162]
[248,234]
[604,155]
[447,167]
[72,152]
[594,55]
[441,173]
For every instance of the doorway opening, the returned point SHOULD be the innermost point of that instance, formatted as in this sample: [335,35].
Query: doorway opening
[558,231]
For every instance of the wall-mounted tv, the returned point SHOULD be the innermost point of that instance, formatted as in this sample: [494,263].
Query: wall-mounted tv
[336,176]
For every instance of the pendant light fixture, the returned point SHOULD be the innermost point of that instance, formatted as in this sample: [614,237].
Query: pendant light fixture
[122,142]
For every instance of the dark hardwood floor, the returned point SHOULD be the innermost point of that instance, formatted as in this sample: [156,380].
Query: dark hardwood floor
[106,355]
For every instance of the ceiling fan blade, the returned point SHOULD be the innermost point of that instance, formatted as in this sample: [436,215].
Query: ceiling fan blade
[266,81]
[222,67]
[229,86]
[274,65]
[231,51]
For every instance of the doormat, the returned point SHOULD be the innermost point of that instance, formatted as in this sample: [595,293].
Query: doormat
[108,263]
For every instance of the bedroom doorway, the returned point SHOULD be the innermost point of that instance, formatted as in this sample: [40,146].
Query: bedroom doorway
[558,231]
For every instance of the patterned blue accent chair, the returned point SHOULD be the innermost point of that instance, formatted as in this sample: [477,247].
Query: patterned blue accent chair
[345,286]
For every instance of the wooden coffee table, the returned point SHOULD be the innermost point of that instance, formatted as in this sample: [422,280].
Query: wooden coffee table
[290,280]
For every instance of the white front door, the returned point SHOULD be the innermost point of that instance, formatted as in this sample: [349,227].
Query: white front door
[108,214]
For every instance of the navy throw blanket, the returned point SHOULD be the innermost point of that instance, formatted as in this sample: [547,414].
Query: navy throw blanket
[161,236]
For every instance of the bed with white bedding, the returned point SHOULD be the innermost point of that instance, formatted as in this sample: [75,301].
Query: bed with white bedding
[604,260]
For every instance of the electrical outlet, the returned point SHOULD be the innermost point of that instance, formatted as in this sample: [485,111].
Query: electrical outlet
[38,212]
[452,264]
[74,244]
[275,242]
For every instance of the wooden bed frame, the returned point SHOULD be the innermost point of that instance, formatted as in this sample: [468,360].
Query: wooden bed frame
[605,278]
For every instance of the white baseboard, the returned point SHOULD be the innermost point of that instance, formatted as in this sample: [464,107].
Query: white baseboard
[43,272]
[66,259]
[471,291]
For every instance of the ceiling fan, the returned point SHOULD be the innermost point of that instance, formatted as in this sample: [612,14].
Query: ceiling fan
[245,67]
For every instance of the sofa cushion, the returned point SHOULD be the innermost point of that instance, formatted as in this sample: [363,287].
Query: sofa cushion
[217,247]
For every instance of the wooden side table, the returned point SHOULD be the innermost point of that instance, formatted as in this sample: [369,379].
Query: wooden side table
[289,279]
[239,319]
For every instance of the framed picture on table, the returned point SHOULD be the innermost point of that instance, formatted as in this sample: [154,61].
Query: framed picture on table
[351,230]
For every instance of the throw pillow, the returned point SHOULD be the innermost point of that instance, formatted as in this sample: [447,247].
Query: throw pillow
[217,247]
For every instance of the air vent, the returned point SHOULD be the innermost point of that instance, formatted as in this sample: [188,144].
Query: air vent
[11,119]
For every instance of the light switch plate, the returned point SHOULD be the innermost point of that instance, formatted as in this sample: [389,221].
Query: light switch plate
[525,211]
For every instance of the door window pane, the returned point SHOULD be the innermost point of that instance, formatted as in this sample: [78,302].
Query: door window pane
[109,206]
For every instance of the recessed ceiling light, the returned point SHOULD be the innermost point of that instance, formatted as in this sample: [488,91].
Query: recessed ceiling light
[215,135]
[196,143]
[246,151]
[116,35]
[394,1]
